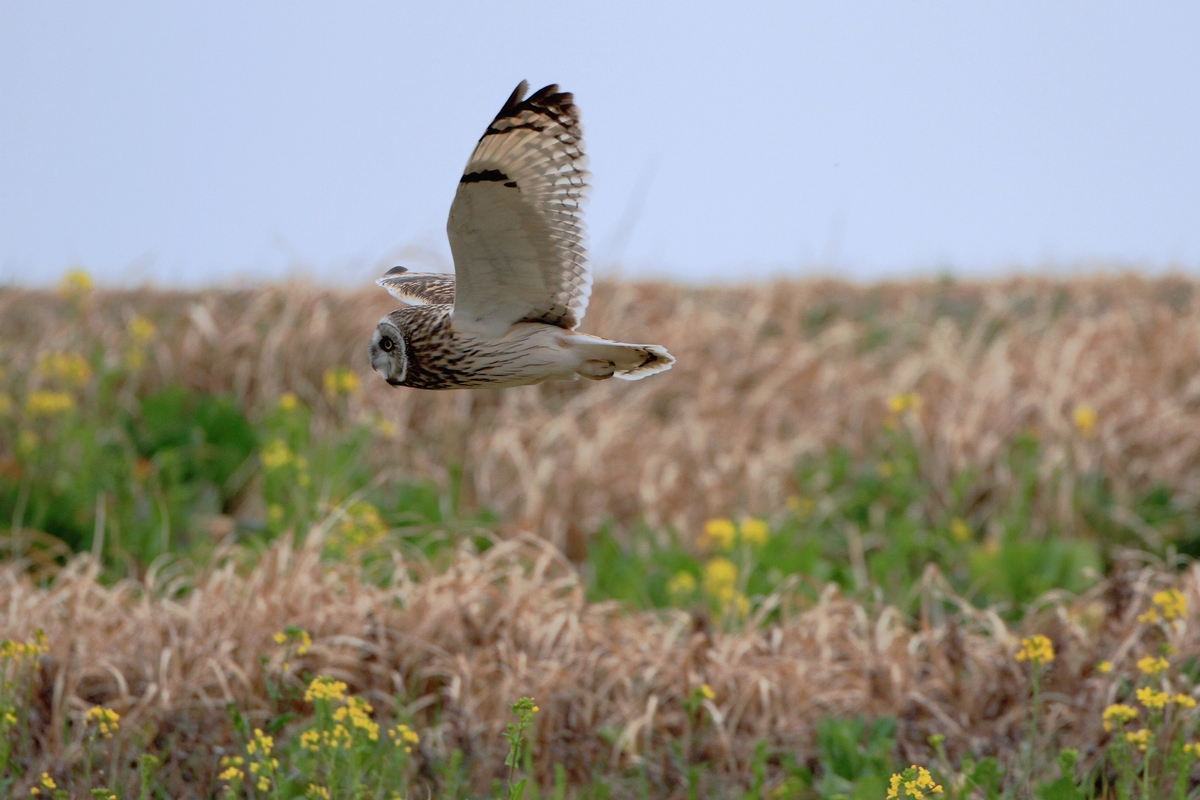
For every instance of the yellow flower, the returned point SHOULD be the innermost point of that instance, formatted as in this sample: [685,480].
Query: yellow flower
[1084,417]
[287,402]
[362,527]
[141,330]
[44,403]
[1036,649]
[75,283]
[305,643]
[801,506]
[1118,714]
[340,381]
[1151,665]
[913,782]
[719,532]
[1192,748]
[48,782]
[275,455]
[959,530]
[70,369]
[260,743]
[1152,698]
[706,691]
[324,688]
[263,783]
[720,577]
[1171,603]
[280,637]
[1139,737]
[105,720]
[1184,700]
[1150,617]
[899,403]
[385,428]
[681,584]
[755,531]
[741,603]
[314,792]
[1104,667]
[403,736]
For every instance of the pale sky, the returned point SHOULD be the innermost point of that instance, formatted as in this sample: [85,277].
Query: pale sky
[202,143]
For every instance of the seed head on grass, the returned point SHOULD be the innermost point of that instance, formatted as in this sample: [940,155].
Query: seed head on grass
[1036,649]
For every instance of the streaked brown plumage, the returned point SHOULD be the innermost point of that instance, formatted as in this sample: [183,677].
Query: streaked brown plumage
[508,315]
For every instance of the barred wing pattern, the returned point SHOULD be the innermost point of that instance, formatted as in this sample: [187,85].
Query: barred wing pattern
[418,288]
[516,227]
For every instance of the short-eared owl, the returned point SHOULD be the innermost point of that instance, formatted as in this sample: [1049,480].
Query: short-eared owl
[507,317]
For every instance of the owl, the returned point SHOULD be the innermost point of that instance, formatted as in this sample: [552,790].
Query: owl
[509,313]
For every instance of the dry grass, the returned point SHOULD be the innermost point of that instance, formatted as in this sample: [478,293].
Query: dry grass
[467,640]
[765,375]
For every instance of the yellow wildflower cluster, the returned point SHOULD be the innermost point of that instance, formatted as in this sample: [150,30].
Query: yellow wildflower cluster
[1151,665]
[338,738]
[1084,417]
[1152,698]
[1184,701]
[70,369]
[325,688]
[45,403]
[15,651]
[275,455]
[722,534]
[908,401]
[1192,748]
[45,782]
[141,331]
[361,528]
[301,636]
[262,766]
[1171,604]
[720,583]
[357,712]
[1139,738]
[340,381]
[1036,649]
[288,402]
[1117,715]
[681,585]
[231,769]
[913,783]
[105,720]
[75,283]
[403,736]
[314,792]
[261,743]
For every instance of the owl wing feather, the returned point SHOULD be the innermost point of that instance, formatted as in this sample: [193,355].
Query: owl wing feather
[418,288]
[516,224]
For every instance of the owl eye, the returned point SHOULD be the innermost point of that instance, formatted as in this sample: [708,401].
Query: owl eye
[387,344]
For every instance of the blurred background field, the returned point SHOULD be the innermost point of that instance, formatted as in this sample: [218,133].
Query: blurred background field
[844,502]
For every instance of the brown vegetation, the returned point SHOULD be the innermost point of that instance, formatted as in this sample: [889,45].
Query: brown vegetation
[467,640]
[765,375]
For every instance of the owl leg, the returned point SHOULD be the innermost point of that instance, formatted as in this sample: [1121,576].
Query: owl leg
[597,370]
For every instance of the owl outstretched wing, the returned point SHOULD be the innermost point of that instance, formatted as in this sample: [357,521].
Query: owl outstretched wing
[516,224]
[418,288]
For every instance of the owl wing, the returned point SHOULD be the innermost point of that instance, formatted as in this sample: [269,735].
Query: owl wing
[516,224]
[418,288]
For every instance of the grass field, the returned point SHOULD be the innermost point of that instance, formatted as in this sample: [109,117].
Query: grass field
[802,561]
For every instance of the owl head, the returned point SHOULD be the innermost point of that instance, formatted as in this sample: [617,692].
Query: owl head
[388,352]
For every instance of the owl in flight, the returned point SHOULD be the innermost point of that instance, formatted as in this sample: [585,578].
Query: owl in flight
[508,314]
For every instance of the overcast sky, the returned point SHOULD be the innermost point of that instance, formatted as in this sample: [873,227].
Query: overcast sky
[193,143]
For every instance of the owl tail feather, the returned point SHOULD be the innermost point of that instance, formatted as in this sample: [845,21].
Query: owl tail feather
[630,362]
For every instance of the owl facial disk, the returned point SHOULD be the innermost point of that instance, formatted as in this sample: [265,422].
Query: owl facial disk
[389,356]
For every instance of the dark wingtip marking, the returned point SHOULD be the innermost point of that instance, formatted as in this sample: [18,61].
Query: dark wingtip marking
[485,175]
[396,271]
